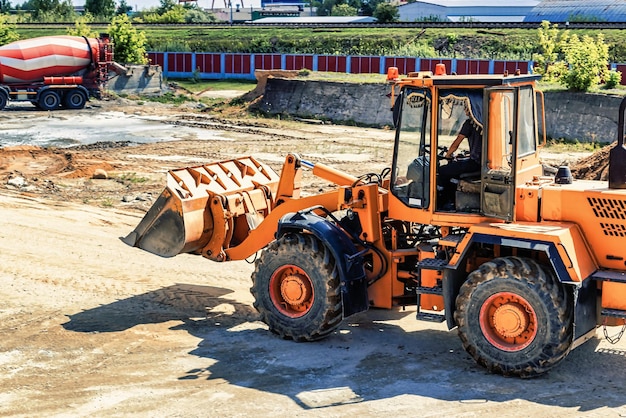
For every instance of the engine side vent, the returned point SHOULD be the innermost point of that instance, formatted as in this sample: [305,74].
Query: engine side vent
[608,208]
[613,230]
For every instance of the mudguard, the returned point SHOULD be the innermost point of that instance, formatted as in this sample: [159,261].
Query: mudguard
[349,259]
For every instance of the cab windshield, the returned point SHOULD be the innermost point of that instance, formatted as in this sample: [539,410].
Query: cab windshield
[411,173]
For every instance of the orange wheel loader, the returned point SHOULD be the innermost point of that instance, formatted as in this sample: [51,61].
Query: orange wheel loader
[525,266]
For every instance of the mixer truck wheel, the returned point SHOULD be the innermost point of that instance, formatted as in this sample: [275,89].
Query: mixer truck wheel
[74,99]
[49,100]
[3,99]
[514,317]
[296,288]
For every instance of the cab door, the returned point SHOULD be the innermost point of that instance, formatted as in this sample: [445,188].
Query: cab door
[510,147]
[497,197]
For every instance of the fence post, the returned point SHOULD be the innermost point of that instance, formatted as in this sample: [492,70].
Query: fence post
[223,64]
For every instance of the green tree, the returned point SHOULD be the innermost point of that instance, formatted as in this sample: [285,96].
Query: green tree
[123,8]
[386,13]
[41,8]
[195,15]
[166,6]
[368,7]
[81,27]
[130,44]
[173,15]
[325,7]
[8,33]
[343,10]
[51,10]
[5,6]
[587,60]
[65,11]
[100,8]
[550,60]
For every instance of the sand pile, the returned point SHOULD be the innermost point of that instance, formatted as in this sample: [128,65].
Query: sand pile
[593,167]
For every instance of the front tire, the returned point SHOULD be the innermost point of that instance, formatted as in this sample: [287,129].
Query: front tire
[4,99]
[296,288]
[514,317]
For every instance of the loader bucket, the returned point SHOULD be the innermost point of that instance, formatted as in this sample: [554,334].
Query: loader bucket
[206,209]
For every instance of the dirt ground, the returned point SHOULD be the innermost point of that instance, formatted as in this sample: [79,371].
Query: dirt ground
[92,327]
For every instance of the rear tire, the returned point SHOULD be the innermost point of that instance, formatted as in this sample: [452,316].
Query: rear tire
[514,317]
[296,288]
[74,99]
[4,99]
[49,100]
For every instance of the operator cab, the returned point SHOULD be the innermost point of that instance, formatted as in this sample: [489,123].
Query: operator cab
[496,116]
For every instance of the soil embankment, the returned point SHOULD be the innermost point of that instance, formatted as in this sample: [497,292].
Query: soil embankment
[571,116]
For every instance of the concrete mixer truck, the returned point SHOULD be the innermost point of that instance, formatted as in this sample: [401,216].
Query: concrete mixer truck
[54,71]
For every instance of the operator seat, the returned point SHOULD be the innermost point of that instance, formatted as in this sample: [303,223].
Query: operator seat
[467,195]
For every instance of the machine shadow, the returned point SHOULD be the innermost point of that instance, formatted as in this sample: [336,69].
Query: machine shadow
[371,359]
[372,356]
[176,302]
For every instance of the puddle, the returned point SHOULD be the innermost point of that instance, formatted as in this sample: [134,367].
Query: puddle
[61,130]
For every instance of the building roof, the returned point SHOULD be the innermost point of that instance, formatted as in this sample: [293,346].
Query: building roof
[483,3]
[578,10]
[317,19]
[465,10]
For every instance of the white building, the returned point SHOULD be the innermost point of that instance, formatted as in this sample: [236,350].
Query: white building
[466,10]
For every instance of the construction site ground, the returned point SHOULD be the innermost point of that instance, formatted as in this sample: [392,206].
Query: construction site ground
[92,327]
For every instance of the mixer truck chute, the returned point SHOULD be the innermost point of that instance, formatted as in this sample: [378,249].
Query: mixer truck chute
[525,266]
[54,71]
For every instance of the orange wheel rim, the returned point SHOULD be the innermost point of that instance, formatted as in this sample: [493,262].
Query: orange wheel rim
[508,321]
[291,291]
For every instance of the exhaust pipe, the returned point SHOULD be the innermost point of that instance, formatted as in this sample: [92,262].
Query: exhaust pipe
[617,155]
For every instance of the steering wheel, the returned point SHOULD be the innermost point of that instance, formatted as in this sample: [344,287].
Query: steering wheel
[441,154]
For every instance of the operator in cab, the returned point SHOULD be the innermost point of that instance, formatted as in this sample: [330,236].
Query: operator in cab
[457,166]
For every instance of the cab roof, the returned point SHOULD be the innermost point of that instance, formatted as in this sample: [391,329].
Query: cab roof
[486,80]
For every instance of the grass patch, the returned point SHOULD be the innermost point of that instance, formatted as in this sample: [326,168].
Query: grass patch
[343,77]
[131,178]
[599,89]
[204,85]
[562,145]
[169,98]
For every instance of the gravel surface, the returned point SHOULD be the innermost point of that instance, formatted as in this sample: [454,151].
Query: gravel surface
[92,327]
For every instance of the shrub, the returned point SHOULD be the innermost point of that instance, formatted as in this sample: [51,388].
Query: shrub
[549,60]
[8,33]
[587,60]
[81,27]
[130,44]
[613,79]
